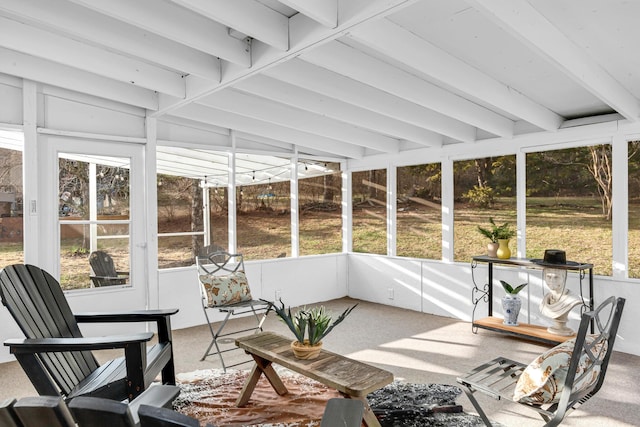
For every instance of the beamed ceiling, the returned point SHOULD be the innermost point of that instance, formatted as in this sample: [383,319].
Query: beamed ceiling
[341,79]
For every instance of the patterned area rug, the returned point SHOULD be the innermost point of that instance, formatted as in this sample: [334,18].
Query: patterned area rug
[210,395]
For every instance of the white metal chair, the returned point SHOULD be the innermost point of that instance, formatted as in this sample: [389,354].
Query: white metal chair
[224,288]
[558,381]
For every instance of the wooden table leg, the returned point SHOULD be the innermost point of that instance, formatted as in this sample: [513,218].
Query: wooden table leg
[262,366]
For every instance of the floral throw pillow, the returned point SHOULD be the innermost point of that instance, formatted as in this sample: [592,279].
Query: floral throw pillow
[224,290]
[543,380]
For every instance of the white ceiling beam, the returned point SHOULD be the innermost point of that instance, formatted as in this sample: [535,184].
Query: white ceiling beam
[304,33]
[316,103]
[325,82]
[520,19]
[246,16]
[358,66]
[256,127]
[323,11]
[83,24]
[43,44]
[178,24]
[54,74]
[400,44]
[265,141]
[293,118]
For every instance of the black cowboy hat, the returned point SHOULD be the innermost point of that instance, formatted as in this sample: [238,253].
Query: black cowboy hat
[554,258]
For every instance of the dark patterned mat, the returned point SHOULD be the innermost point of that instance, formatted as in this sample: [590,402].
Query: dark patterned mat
[210,395]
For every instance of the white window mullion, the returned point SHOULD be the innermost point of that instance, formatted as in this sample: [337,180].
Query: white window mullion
[521,203]
[447,209]
[295,235]
[620,212]
[347,211]
[392,222]
[231,188]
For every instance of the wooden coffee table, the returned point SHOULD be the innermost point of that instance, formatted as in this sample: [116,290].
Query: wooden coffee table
[353,379]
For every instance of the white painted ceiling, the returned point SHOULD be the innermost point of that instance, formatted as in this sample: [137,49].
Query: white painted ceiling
[338,79]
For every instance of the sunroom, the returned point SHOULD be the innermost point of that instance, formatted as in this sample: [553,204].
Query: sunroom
[346,148]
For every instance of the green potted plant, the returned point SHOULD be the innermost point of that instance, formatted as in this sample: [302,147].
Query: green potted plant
[511,303]
[309,326]
[499,236]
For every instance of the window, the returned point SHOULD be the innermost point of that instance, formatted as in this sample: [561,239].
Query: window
[320,207]
[93,212]
[263,200]
[369,193]
[419,216]
[180,220]
[569,204]
[483,188]
[11,204]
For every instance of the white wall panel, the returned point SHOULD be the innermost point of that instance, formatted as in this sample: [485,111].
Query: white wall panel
[446,291]
[11,105]
[385,280]
[303,280]
[75,116]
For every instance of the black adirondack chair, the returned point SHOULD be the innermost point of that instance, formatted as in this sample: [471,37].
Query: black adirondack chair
[58,359]
[104,270]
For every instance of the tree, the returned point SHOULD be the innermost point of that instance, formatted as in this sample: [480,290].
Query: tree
[196,216]
[600,168]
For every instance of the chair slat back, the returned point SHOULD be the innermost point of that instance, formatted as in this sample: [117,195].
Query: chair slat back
[596,347]
[102,264]
[38,305]
[219,262]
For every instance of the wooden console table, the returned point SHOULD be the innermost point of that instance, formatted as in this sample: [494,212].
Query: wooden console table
[353,379]
[533,332]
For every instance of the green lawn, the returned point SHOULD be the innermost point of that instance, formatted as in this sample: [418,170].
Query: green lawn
[573,224]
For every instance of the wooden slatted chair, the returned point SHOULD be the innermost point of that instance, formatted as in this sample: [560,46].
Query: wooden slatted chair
[224,287]
[104,270]
[39,411]
[99,412]
[58,359]
[558,381]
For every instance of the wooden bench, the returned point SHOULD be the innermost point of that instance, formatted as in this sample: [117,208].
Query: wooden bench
[353,379]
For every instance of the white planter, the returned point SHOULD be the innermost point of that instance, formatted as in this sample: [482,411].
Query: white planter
[511,305]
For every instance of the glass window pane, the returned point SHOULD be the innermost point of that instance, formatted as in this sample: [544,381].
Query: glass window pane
[568,207]
[369,193]
[264,215]
[11,204]
[93,210]
[483,188]
[219,216]
[180,210]
[419,213]
[320,208]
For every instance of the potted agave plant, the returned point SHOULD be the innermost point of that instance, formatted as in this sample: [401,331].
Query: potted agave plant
[309,326]
[511,303]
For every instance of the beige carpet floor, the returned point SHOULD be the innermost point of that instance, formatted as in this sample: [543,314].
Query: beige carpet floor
[416,348]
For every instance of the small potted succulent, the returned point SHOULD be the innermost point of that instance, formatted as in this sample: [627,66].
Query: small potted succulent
[499,236]
[309,326]
[511,303]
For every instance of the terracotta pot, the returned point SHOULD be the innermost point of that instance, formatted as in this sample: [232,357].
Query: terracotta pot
[492,249]
[306,351]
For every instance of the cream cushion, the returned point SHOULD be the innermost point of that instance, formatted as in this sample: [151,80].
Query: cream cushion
[543,380]
[227,289]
